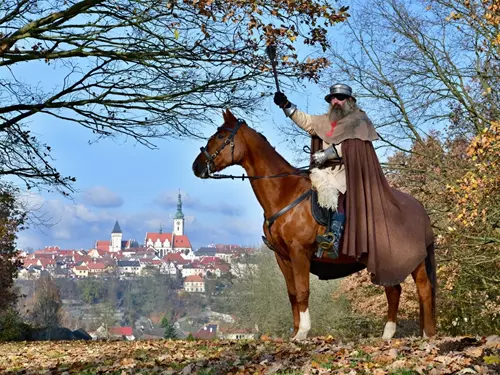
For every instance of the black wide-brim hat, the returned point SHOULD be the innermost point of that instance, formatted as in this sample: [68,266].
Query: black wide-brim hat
[339,88]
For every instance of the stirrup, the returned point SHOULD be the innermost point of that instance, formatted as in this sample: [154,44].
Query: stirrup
[326,240]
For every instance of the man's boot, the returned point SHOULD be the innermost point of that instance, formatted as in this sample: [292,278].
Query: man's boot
[330,241]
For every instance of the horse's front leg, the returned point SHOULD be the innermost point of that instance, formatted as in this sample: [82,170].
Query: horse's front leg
[301,266]
[286,269]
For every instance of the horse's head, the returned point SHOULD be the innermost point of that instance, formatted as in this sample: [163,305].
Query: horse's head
[220,151]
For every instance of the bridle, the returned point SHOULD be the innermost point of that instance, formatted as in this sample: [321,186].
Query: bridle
[228,141]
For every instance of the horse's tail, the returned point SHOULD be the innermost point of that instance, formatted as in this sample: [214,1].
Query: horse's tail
[430,268]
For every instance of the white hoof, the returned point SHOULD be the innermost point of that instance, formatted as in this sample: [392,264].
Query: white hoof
[389,330]
[301,335]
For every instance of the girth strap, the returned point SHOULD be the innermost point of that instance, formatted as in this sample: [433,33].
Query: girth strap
[272,219]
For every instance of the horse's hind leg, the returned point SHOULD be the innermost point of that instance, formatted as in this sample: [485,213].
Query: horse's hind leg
[425,296]
[392,293]
[286,269]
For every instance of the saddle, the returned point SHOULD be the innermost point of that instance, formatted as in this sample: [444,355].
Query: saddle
[320,214]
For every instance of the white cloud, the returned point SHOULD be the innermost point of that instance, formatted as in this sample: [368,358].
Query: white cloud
[100,196]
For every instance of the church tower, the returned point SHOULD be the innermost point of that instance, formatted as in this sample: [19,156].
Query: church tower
[179,219]
[116,238]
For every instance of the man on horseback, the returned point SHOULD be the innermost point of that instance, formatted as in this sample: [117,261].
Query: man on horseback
[344,120]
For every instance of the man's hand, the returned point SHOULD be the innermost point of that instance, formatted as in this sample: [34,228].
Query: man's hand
[327,154]
[281,100]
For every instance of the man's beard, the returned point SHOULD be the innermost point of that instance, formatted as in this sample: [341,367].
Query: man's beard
[338,112]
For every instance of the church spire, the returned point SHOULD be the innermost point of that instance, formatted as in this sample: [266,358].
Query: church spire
[179,214]
[116,228]
[161,229]
[179,219]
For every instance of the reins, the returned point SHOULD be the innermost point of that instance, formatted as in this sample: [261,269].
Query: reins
[298,173]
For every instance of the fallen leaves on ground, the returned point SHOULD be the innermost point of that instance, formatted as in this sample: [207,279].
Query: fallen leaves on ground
[321,355]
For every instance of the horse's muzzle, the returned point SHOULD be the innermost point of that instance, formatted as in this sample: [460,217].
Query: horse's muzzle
[200,169]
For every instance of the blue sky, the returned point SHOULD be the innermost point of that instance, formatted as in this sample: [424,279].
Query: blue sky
[118,180]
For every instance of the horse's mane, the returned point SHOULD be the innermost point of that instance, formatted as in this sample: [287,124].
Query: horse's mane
[266,141]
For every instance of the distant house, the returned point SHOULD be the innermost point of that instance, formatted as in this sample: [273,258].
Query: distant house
[192,269]
[226,254]
[168,268]
[124,333]
[121,332]
[194,284]
[237,334]
[96,268]
[81,271]
[207,332]
[128,267]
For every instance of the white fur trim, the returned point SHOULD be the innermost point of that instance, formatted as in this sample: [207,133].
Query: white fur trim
[328,182]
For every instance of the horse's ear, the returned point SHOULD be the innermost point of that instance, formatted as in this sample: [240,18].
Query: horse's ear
[224,114]
[230,116]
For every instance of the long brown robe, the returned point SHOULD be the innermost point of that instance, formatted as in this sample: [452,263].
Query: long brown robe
[385,229]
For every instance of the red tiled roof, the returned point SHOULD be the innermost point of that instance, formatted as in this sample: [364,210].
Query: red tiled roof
[30,262]
[67,252]
[193,279]
[96,266]
[181,241]
[209,260]
[102,245]
[47,262]
[121,331]
[161,236]
[207,332]
[175,258]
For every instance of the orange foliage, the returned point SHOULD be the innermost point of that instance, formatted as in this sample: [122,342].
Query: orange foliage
[476,193]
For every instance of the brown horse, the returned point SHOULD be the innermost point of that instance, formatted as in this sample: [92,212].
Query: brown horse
[276,185]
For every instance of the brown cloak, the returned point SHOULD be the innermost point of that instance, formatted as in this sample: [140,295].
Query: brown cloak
[385,229]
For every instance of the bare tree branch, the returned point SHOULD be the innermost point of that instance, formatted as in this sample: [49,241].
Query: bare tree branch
[143,69]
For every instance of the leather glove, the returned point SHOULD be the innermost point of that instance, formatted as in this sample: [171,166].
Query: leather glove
[327,154]
[281,100]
